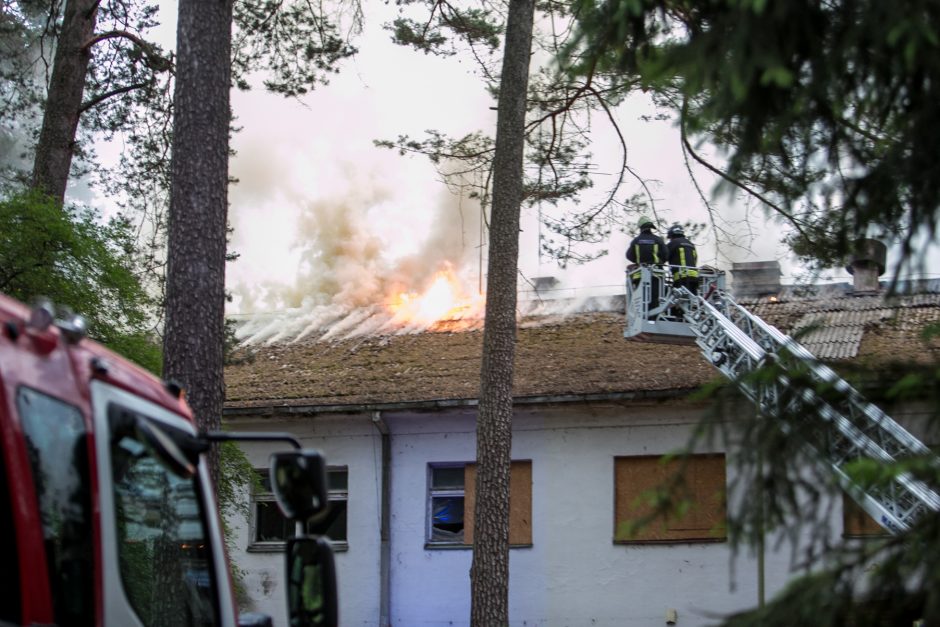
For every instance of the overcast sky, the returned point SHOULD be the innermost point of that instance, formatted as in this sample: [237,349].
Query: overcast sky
[318,208]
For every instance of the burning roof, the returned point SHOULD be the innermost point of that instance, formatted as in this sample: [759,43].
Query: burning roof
[324,362]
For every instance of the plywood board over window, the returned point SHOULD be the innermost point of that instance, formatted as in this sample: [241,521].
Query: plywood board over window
[695,488]
[856,523]
[520,503]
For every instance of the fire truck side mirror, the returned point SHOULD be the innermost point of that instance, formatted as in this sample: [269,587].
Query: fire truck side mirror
[311,583]
[298,480]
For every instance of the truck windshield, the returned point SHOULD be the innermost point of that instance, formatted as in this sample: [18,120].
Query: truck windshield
[163,549]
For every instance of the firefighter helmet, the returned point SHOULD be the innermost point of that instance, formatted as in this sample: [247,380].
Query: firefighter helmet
[675,231]
[645,222]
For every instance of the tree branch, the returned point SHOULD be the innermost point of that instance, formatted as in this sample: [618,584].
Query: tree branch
[727,177]
[110,94]
[623,152]
[155,61]
[116,34]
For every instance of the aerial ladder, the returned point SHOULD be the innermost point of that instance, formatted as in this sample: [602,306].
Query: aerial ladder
[739,343]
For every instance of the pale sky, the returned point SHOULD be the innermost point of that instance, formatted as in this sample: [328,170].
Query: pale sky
[309,175]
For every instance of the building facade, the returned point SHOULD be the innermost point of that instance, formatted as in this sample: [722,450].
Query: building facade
[394,417]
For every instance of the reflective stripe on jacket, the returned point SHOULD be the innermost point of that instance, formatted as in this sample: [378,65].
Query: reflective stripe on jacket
[682,253]
[647,248]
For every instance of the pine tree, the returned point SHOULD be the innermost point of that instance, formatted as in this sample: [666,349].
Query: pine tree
[489,574]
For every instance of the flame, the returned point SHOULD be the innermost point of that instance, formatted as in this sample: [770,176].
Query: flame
[444,300]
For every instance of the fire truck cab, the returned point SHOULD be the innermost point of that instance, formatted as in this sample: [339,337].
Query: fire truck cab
[107,513]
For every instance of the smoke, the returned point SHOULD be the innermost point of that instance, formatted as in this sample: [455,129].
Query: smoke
[355,252]
[332,231]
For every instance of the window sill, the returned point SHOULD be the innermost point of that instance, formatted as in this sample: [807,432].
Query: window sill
[278,547]
[433,546]
[871,536]
[671,541]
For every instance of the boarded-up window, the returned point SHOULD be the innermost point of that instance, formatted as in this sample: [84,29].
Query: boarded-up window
[520,503]
[693,489]
[452,497]
[856,523]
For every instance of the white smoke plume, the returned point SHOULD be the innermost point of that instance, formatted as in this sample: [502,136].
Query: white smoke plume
[356,253]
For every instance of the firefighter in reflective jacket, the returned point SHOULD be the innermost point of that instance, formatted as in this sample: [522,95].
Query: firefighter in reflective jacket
[649,249]
[683,259]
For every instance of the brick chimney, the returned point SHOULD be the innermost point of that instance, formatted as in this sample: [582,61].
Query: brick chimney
[753,279]
[866,265]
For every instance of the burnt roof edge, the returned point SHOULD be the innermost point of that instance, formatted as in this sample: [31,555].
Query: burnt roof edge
[269,410]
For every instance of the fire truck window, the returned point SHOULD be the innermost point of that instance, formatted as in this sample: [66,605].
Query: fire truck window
[58,453]
[163,547]
[9,563]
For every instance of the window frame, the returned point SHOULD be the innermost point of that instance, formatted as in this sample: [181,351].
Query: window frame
[520,508]
[117,607]
[277,546]
[433,492]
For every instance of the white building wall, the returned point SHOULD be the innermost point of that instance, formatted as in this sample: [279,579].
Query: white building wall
[344,440]
[572,575]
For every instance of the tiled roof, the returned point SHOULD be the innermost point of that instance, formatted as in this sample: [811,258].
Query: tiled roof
[565,355]
[836,327]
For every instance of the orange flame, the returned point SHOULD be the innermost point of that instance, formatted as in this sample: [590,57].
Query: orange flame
[445,300]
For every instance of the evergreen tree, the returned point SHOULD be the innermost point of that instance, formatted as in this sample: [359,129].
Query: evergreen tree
[302,46]
[88,69]
[195,280]
[489,573]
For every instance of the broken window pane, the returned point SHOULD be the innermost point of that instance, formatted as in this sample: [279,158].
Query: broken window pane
[446,504]
[447,519]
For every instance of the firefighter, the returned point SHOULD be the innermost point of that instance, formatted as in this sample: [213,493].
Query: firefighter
[648,249]
[683,259]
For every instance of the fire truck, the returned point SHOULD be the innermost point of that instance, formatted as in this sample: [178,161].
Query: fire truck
[739,343]
[107,513]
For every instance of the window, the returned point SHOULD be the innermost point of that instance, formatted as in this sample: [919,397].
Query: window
[270,529]
[447,504]
[451,499]
[164,552]
[57,445]
[697,498]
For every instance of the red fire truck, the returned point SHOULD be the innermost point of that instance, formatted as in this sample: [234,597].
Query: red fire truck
[107,514]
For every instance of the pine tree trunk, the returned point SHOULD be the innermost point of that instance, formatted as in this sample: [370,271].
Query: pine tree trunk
[489,573]
[195,282]
[56,145]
